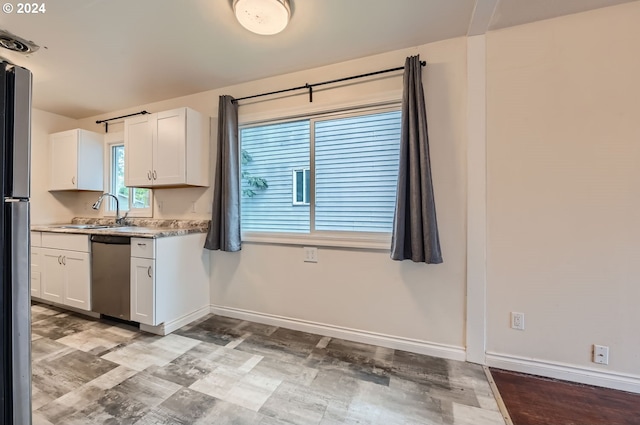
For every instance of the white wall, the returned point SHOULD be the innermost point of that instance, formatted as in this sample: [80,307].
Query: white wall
[355,289]
[359,289]
[47,207]
[562,222]
[563,192]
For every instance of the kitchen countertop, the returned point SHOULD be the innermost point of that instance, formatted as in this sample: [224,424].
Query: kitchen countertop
[134,227]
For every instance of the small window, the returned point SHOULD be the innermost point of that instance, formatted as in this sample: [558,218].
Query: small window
[301,183]
[137,202]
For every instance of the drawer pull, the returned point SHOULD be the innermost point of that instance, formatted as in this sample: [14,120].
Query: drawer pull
[142,244]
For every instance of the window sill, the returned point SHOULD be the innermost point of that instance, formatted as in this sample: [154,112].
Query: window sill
[369,241]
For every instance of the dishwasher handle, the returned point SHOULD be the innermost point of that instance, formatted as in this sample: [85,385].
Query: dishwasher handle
[111,240]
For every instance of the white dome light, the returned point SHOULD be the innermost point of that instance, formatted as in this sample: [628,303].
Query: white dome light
[264,17]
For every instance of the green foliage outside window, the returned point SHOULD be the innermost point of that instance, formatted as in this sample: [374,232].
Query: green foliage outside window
[257,183]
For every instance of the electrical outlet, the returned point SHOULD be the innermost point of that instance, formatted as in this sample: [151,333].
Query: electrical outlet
[600,354]
[310,254]
[517,321]
[193,207]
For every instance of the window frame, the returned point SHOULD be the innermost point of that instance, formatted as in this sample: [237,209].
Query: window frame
[306,191]
[339,239]
[112,140]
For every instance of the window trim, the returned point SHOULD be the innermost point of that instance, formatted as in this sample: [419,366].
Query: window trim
[364,240]
[111,140]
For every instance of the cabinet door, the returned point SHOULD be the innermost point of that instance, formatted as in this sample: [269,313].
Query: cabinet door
[78,279]
[169,148]
[143,291]
[35,272]
[52,276]
[138,148]
[64,160]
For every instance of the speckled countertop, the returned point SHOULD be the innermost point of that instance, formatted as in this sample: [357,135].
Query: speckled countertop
[135,227]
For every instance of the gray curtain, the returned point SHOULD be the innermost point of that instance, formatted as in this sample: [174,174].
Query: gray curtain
[415,228]
[224,232]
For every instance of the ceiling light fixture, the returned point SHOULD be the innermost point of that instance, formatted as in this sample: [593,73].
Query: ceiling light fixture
[264,17]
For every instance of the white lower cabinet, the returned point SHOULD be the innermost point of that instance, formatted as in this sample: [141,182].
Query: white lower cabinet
[65,274]
[169,281]
[143,290]
[143,281]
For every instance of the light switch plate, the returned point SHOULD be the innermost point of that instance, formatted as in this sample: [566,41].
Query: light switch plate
[310,254]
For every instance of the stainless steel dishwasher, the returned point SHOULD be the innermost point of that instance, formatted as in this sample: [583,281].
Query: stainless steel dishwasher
[110,275]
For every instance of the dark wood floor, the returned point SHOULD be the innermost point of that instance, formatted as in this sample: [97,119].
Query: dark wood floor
[533,400]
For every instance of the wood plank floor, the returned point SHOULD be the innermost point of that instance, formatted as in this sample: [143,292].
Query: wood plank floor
[533,400]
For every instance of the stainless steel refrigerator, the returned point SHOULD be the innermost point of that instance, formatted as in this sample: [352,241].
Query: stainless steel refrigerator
[15,313]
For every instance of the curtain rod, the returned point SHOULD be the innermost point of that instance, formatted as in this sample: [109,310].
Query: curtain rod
[106,121]
[311,86]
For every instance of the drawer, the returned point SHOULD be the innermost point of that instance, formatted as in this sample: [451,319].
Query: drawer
[65,241]
[143,248]
[36,238]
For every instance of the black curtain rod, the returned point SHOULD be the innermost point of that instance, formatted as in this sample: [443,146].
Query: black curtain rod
[106,121]
[311,86]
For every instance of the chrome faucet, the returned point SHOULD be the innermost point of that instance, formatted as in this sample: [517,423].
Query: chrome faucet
[96,206]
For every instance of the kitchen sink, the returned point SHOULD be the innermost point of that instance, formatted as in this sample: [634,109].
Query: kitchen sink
[85,226]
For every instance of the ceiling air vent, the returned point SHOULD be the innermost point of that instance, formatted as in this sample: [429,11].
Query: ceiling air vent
[17,44]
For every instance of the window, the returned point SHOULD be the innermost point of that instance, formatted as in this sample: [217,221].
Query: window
[301,184]
[136,201]
[327,175]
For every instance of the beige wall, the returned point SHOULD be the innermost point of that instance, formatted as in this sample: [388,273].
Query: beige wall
[562,199]
[356,289]
[47,207]
[359,289]
[563,189]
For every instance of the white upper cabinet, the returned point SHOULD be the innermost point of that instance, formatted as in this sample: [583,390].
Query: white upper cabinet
[138,151]
[169,149]
[76,160]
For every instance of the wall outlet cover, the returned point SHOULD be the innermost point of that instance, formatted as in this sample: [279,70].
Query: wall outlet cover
[601,354]
[517,321]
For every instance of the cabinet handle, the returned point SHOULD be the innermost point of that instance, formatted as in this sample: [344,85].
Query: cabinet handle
[64,260]
[149,175]
[73,180]
[155,175]
[142,244]
[149,271]
[60,259]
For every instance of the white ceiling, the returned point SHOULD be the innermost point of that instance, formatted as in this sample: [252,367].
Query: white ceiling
[98,56]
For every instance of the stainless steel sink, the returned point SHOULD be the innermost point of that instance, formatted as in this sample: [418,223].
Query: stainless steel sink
[84,226]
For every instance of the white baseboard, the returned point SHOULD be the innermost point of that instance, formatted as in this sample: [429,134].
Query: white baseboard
[168,327]
[398,343]
[618,381]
